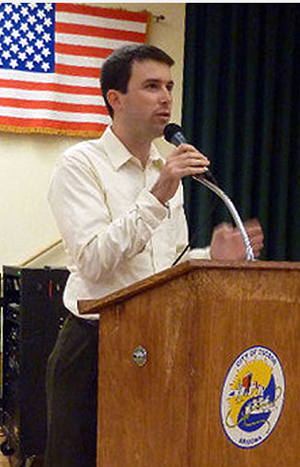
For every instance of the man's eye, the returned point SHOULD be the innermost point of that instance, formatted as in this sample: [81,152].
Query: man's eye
[152,86]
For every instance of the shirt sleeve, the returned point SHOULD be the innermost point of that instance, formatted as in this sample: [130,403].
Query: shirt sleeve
[95,242]
[199,253]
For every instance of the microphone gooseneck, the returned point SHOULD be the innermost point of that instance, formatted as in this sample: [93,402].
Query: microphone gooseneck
[234,214]
[174,135]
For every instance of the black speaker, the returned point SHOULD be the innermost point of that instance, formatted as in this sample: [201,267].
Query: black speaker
[33,313]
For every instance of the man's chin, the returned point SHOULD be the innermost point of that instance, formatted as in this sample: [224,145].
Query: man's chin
[159,129]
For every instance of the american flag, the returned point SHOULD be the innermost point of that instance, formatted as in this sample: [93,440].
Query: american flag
[50,64]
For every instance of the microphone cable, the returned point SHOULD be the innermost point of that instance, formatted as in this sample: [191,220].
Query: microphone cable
[194,234]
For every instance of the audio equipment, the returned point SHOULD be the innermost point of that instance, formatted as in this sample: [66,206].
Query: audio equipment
[33,313]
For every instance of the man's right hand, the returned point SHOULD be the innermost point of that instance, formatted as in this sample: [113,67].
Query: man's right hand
[185,160]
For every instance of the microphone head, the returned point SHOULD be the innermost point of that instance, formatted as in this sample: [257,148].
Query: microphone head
[170,130]
[173,134]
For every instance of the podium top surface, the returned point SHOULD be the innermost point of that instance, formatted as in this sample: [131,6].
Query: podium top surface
[97,305]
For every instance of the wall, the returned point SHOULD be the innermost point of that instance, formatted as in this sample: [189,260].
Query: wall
[27,161]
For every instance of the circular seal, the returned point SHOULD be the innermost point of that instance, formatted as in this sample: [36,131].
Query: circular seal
[252,397]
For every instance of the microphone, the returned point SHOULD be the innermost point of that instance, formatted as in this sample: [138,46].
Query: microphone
[174,135]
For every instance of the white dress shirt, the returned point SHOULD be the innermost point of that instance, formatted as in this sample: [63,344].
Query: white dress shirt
[114,230]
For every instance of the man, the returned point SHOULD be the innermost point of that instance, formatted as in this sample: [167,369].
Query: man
[118,206]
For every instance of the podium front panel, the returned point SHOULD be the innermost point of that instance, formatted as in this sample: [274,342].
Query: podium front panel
[165,410]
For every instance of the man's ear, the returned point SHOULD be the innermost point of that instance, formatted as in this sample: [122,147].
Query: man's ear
[113,98]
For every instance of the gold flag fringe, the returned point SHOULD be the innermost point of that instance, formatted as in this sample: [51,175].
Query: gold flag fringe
[50,131]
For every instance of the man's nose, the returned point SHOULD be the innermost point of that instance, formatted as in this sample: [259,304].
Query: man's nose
[166,95]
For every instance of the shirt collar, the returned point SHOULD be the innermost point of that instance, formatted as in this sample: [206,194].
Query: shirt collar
[119,154]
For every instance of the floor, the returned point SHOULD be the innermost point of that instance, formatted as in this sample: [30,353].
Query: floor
[13,461]
[3,461]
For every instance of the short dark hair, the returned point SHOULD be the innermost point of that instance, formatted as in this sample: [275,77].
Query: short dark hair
[116,70]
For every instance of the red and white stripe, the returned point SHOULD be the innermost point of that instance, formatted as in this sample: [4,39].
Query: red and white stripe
[69,101]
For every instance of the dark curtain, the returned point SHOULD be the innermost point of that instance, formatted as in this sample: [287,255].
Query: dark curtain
[241,108]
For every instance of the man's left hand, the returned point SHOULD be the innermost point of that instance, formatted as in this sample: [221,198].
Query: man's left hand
[227,242]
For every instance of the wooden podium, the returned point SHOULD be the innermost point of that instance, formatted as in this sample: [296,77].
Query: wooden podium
[193,322]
